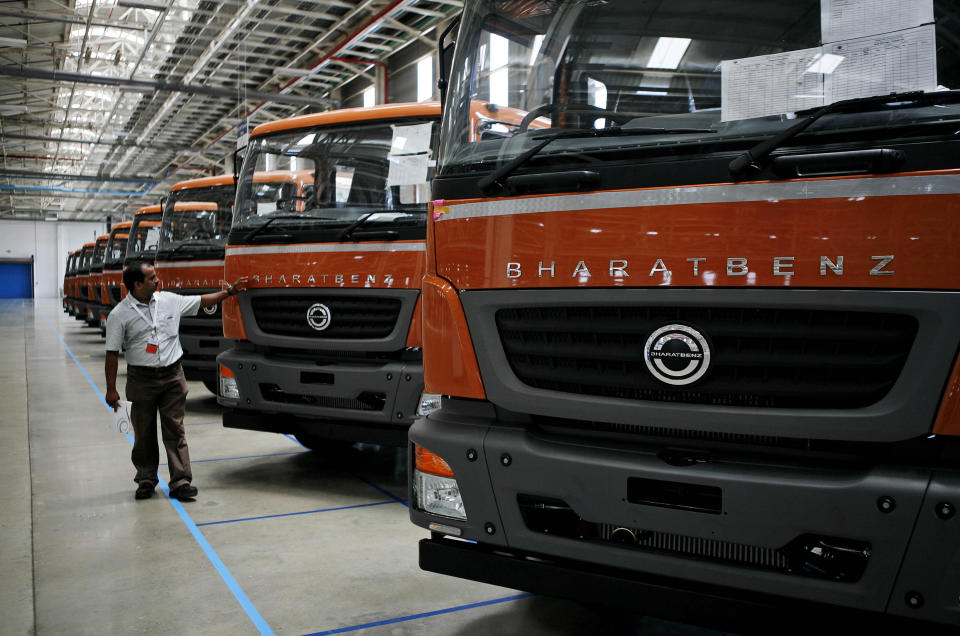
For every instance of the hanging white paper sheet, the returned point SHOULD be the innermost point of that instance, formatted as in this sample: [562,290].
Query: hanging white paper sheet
[769,84]
[407,169]
[411,139]
[121,418]
[851,19]
[895,62]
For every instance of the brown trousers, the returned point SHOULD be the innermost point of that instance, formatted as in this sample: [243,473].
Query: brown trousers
[163,390]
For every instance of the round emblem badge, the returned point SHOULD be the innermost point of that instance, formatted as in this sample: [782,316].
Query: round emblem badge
[318,316]
[677,354]
[211,310]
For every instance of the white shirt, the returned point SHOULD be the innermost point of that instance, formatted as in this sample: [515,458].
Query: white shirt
[128,329]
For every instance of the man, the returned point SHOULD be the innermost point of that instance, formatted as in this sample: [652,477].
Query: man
[147,325]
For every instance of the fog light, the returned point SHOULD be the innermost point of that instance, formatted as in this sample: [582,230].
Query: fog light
[434,486]
[429,402]
[439,496]
[228,384]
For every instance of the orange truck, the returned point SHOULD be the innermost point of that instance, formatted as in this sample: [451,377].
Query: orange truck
[96,311]
[70,280]
[693,348]
[143,238]
[327,337]
[82,280]
[189,260]
[112,277]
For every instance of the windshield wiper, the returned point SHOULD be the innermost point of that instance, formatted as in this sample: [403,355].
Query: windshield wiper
[752,160]
[494,182]
[266,224]
[347,231]
[191,243]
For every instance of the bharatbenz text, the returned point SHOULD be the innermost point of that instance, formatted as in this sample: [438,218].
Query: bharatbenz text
[691,316]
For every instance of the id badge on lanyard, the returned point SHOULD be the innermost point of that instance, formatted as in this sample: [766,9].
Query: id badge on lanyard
[153,342]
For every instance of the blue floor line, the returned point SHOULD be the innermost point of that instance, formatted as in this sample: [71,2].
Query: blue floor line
[227,459]
[215,560]
[383,491]
[369,483]
[294,514]
[413,617]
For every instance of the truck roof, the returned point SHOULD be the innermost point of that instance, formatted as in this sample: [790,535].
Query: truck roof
[346,115]
[123,225]
[148,209]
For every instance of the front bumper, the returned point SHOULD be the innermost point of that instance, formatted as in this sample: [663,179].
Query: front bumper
[358,395]
[764,503]
[200,355]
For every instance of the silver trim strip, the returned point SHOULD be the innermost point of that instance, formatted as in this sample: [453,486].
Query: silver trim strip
[727,193]
[319,248]
[170,264]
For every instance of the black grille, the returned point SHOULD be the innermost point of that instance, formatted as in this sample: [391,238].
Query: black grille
[84,291]
[210,330]
[777,358]
[351,317]
[114,293]
[366,401]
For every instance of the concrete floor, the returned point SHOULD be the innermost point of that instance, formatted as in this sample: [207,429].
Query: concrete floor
[278,541]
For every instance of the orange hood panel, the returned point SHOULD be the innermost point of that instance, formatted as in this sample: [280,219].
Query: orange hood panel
[897,231]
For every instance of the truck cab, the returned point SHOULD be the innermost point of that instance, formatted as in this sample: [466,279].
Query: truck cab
[96,310]
[69,282]
[694,345]
[329,227]
[193,233]
[82,284]
[114,255]
[143,238]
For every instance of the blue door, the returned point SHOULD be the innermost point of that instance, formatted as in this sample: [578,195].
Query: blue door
[16,279]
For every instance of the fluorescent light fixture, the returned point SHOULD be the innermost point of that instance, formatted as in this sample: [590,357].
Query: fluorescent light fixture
[12,109]
[142,4]
[13,43]
[826,64]
[668,52]
[287,71]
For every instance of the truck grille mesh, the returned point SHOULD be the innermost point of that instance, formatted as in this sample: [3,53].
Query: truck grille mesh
[776,358]
[712,549]
[351,317]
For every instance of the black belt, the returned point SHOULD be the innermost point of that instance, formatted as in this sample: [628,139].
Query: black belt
[154,370]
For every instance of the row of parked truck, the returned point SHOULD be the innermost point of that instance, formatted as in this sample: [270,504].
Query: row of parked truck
[682,332]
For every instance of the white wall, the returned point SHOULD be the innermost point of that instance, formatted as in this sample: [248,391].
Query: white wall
[49,243]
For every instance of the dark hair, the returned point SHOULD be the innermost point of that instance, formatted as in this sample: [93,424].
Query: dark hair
[133,274]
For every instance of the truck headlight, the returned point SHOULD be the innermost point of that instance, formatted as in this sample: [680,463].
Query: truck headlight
[435,487]
[429,402]
[228,384]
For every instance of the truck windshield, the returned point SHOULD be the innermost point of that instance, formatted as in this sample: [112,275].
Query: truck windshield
[116,251]
[326,179]
[196,221]
[713,76]
[99,251]
[144,236]
[85,258]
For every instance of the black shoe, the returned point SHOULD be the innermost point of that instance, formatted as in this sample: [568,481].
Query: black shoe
[144,491]
[184,492]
